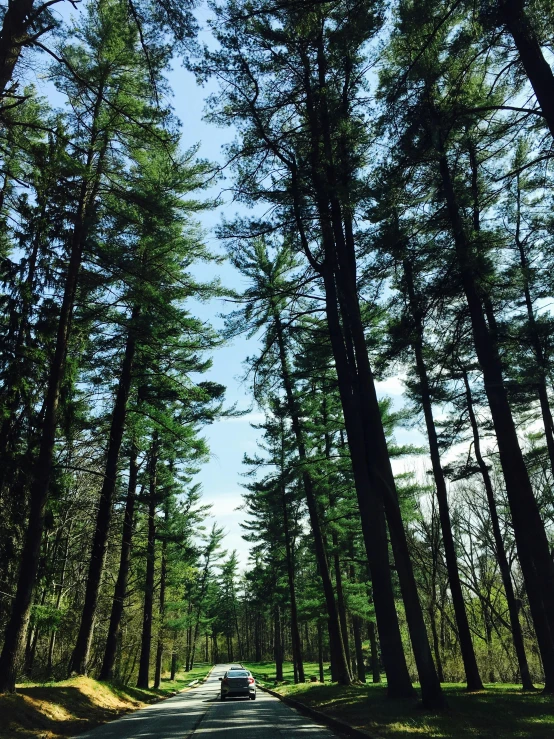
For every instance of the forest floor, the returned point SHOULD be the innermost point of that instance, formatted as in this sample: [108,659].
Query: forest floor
[57,710]
[502,710]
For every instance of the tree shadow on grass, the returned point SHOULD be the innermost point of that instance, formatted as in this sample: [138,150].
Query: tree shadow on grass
[508,713]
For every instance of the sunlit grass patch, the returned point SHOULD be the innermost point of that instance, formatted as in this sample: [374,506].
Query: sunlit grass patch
[56,710]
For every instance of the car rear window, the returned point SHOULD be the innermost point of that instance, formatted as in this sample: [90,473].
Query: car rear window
[237,673]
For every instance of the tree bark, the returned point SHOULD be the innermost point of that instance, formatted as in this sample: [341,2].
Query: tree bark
[295,631]
[433,602]
[320,652]
[50,662]
[537,69]
[80,657]
[120,591]
[357,630]
[203,586]
[146,642]
[375,669]
[13,37]
[159,650]
[277,643]
[341,605]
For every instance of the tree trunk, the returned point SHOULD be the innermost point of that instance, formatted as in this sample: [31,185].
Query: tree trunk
[16,630]
[336,558]
[50,662]
[13,37]
[320,652]
[173,665]
[537,69]
[373,521]
[338,656]
[146,642]
[277,644]
[201,596]
[295,631]
[473,678]
[80,657]
[257,639]
[357,629]
[375,668]
[120,591]
[531,540]
[500,551]
[215,648]
[374,480]
[163,577]
[239,640]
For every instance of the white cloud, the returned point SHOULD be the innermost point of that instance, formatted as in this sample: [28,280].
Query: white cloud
[252,417]
[390,386]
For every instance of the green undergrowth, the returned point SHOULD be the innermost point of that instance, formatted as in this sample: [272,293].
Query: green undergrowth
[502,711]
[264,672]
[56,710]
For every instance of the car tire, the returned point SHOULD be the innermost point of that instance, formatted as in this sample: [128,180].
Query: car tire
[223,697]
[253,697]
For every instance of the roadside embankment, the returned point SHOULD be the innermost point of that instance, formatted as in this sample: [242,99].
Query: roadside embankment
[58,710]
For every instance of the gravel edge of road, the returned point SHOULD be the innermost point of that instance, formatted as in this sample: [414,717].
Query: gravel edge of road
[323,718]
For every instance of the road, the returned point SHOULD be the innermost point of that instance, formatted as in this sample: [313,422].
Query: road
[199,714]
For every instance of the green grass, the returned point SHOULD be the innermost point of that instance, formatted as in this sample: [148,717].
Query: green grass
[184,678]
[502,711]
[264,672]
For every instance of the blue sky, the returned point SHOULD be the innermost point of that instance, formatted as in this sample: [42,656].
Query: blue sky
[229,439]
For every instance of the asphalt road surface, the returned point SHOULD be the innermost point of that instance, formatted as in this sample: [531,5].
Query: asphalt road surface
[199,714]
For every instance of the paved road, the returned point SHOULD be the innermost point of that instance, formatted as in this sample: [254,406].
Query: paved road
[199,714]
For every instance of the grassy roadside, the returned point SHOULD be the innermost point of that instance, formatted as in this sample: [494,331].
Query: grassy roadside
[502,711]
[58,710]
[264,672]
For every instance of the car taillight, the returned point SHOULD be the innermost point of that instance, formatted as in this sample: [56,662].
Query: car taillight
[251,680]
